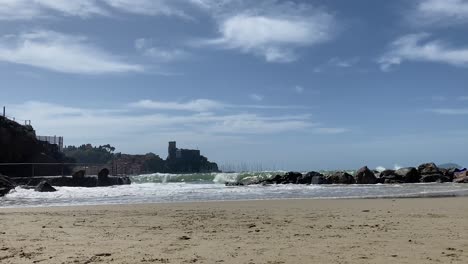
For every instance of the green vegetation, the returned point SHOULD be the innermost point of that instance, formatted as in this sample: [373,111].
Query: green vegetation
[89,154]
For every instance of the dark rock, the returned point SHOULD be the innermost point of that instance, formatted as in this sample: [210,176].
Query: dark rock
[409,175]
[308,178]
[365,176]
[461,177]
[431,173]
[434,178]
[320,179]
[428,169]
[6,185]
[78,175]
[291,177]
[341,177]
[44,186]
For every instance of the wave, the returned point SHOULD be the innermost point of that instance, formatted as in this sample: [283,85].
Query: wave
[219,178]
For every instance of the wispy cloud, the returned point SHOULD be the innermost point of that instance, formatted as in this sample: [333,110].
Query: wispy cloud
[463,98]
[29,9]
[256,97]
[440,12]
[61,53]
[416,47]
[450,111]
[149,7]
[199,105]
[146,47]
[274,31]
[299,89]
[205,105]
[70,122]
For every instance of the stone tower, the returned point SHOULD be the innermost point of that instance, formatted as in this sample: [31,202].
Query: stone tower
[172,150]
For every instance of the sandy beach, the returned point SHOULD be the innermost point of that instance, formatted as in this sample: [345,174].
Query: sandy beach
[286,231]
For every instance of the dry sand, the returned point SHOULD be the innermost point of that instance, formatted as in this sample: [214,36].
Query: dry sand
[293,231]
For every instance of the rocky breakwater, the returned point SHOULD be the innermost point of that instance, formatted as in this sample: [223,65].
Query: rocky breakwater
[428,172]
[78,179]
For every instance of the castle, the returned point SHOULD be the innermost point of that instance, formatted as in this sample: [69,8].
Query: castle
[188,160]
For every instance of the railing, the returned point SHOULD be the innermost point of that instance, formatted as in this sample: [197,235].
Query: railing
[60,169]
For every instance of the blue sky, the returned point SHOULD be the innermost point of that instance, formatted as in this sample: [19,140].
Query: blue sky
[279,84]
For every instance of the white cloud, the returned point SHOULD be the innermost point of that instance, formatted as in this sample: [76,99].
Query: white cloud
[61,53]
[146,47]
[274,31]
[299,89]
[463,98]
[450,111]
[343,63]
[199,105]
[414,47]
[440,12]
[256,97]
[205,105]
[27,9]
[148,7]
[32,9]
[54,119]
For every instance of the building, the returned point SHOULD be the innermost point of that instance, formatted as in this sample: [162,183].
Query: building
[182,154]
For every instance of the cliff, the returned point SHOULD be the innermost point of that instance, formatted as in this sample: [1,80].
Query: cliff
[18,144]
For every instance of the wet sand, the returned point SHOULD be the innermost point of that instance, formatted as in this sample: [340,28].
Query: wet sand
[292,231]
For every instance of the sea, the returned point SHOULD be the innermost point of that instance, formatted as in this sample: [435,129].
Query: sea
[170,188]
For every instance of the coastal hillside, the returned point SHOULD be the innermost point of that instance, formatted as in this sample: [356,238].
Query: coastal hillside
[18,144]
[178,160]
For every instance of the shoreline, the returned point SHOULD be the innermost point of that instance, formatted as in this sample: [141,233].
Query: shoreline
[423,230]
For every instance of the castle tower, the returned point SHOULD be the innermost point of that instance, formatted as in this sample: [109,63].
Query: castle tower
[172,150]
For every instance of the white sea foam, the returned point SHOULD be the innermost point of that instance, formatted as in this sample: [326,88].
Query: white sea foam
[157,188]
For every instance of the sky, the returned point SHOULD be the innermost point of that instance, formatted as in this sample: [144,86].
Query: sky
[292,85]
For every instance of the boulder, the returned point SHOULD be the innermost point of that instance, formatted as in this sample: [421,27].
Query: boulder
[431,173]
[103,178]
[320,179]
[429,169]
[461,177]
[307,178]
[292,177]
[409,175]
[365,176]
[78,175]
[44,186]
[6,185]
[434,178]
[341,177]
[390,177]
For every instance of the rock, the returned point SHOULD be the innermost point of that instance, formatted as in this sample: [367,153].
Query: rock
[307,178]
[78,175]
[44,186]
[291,177]
[434,178]
[320,179]
[6,185]
[365,176]
[409,175]
[428,169]
[461,177]
[103,178]
[341,177]
[431,173]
